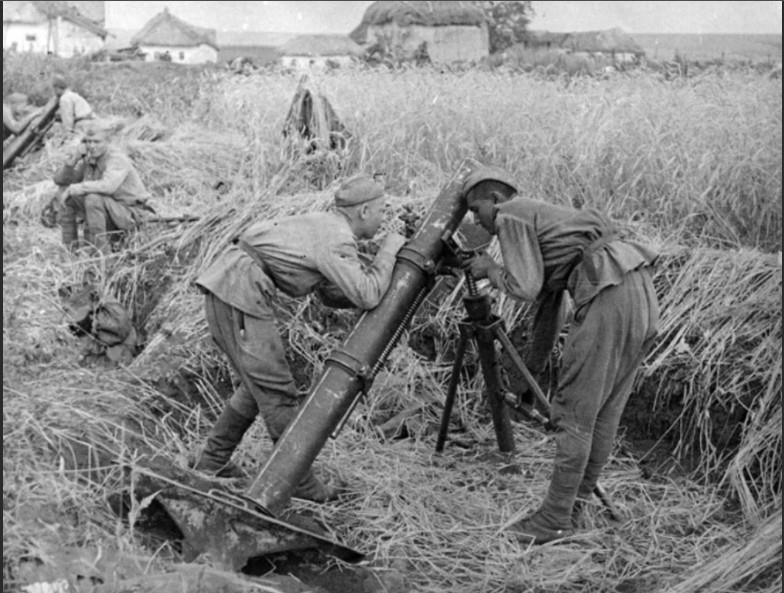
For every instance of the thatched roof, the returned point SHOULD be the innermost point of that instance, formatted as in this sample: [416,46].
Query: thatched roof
[429,14]
[539,38]
[320,45]
[611,40]
[167,30]
[26,12]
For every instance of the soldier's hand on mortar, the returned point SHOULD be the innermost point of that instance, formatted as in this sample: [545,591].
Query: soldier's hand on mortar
[393,242]
[480,265]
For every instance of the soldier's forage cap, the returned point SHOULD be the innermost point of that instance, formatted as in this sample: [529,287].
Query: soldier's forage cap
[95,127]
[358,190]
[488,173]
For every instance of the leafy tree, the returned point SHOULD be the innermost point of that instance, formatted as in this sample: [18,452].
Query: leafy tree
[507,21]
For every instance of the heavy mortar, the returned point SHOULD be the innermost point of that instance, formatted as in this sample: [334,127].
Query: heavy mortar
[348,374]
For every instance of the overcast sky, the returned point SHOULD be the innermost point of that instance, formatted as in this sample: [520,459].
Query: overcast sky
[342,17]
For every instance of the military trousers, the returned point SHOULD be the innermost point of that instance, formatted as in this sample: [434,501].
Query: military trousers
[255,349]
[104,218]
[605,346]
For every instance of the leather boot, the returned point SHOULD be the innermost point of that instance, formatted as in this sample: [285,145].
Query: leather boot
[224,437]
[537,530]
[556,509]
[553,520]
[311,488]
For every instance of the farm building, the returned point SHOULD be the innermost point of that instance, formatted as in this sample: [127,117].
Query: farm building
[166,37]
[319,51]
[258,46]
[447,31]
[544,40]
[612,42]
[51,27]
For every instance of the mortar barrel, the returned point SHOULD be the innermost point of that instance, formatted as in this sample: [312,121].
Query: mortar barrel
[17,146]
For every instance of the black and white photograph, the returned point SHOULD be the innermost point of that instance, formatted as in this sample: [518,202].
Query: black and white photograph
[392,297]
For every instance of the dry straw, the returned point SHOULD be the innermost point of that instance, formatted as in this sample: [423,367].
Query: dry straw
[439,519]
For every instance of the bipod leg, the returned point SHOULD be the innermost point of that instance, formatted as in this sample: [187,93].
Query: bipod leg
[485,340]
[500,334]
[454,379]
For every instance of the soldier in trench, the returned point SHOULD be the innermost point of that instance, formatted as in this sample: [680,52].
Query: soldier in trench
[297,255]
[548,251]
[99,185]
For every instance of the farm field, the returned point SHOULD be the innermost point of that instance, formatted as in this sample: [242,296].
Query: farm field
[691,166]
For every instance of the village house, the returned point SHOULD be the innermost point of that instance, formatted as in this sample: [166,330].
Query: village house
[612,44]
[319,51]
[168,38]
[260,47]
[57,28]
[447,32]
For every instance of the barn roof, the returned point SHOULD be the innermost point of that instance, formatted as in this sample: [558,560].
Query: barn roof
[167,30]
[611,40]
[320,45]
[429,14]
[20,12]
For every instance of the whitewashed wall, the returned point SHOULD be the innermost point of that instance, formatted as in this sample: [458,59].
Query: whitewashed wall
[67,39]
[16,36]
[73,40]
[315,62]
[444,44]
[182,55]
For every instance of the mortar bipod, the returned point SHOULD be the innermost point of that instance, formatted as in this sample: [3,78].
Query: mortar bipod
[484,327]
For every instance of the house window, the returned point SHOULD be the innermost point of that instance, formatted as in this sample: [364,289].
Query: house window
[29,37]
[182,55]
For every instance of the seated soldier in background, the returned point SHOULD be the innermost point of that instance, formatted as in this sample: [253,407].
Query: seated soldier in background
[99,184]
[17,115]
[298,255]
[74,110]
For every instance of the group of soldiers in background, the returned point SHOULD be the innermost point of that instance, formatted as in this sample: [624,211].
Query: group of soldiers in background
[548,252]
[98,186]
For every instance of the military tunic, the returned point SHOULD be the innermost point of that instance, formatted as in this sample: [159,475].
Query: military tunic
[548,249]
[73,110]
[298,255]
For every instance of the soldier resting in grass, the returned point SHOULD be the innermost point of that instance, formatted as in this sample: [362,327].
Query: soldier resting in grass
[99,184]
[297,255]
[547,251]
[73,110]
